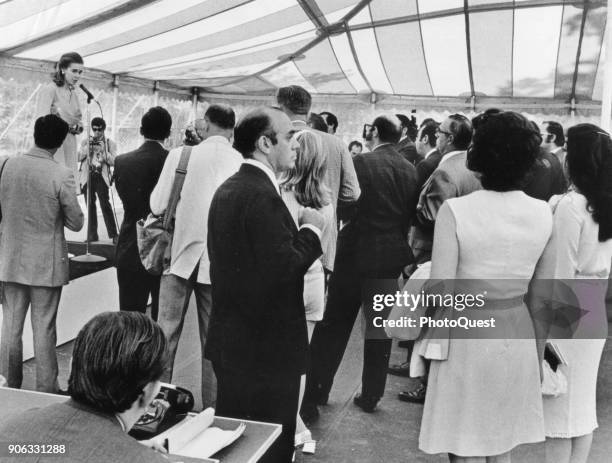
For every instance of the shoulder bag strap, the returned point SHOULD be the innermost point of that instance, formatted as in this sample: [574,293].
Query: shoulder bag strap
[2,170]
[177,186]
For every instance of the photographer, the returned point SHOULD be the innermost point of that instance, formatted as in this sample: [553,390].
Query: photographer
[99,159]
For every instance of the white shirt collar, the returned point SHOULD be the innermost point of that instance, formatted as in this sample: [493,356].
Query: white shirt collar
[402,138]
[429,152]
[217,139]
[556,150]
[267,171]
[447,156]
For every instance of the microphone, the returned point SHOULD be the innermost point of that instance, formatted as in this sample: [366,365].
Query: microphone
[88,93]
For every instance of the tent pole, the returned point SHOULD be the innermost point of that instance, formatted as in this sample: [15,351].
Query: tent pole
[194,103]
[156,93]
[113,121]
[606,99]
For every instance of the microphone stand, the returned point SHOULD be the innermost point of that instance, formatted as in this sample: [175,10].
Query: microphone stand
[88,257]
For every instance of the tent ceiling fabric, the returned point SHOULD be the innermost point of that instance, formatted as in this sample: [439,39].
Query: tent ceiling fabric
[423,48]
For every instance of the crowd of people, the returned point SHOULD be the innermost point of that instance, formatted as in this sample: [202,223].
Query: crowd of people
[278,228]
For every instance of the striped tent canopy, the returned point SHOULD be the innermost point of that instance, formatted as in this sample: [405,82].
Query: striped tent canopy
[422,48]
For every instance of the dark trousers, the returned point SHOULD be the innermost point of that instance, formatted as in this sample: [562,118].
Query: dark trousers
[135,286]
[331,335]
[269,398]
[100,189]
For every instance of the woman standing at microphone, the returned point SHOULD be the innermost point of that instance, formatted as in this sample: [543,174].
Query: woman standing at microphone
[59,97]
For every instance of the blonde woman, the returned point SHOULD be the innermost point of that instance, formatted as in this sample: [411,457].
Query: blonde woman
[303,186]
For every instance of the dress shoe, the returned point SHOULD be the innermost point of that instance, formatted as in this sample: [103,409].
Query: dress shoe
[367,404]
[417,395]
[402,369]
[309,413]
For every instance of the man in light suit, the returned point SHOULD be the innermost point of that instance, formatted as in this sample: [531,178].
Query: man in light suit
[211,163]
[117,360]
[341,177]
[136,174]
[371,246]
[451,179]
[257,339]
[38,199]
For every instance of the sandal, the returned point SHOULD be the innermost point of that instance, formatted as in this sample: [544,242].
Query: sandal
[417,395]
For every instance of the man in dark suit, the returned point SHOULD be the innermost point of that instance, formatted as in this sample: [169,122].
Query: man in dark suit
[405,146]
[257,339]
[546,177]
[372,246]
[426,147]
[136,174]
[117,361]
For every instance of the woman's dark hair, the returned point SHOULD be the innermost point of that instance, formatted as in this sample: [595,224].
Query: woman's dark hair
[64,62]
[589,165]
[503,151]
[115,355]
[50,131]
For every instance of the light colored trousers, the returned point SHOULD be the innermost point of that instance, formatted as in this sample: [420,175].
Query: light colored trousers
[44,301]
[174,295]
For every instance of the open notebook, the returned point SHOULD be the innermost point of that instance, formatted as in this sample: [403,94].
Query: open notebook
[194,437]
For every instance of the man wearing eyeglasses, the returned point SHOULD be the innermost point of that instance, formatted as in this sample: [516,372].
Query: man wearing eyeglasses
[451,179]
[98,156]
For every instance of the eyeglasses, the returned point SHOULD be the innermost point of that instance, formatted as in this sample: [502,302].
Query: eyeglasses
[438,132]
[367,127]
[97,129]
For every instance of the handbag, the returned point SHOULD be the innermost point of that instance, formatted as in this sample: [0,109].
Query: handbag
[554,381]
[154,234]
[414,285]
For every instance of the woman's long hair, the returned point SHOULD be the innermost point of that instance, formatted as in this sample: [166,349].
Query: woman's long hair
[65,60]
[589,164]
[306,178]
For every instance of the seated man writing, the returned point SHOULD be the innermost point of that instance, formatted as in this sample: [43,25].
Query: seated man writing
[117,361]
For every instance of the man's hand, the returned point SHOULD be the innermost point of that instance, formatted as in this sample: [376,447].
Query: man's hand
[310,216]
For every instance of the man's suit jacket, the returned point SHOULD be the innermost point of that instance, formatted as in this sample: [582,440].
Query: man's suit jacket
[375,236]
[407,149]
[426,167]
[451,179]
[90,435]
[136,174]
[258,259]
[546,177]
[341,177]
[38,199]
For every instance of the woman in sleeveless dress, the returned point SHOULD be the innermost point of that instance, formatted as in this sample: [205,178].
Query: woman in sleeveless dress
[484,395]
[60,98]
[579,255]
[304,187]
